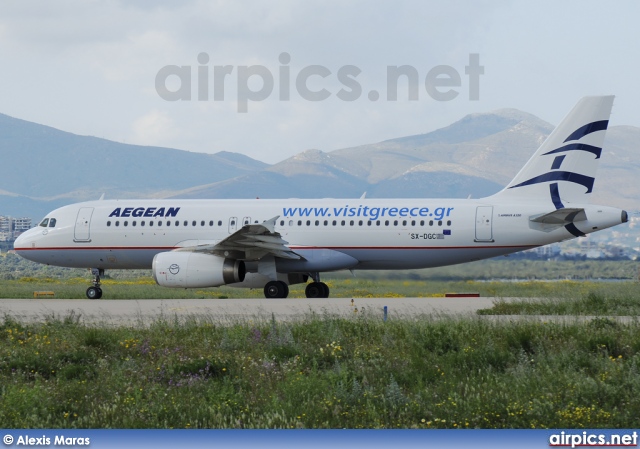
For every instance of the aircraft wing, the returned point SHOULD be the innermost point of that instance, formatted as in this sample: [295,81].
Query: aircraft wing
[251,242]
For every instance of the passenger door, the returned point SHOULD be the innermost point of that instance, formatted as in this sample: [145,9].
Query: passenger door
[82,232]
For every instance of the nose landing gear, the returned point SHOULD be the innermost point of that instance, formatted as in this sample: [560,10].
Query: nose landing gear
[95,292]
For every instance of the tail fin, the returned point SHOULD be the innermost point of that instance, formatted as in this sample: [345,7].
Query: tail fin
[563,169]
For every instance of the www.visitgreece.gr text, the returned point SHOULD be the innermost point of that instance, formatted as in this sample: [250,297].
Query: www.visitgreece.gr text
[372,213]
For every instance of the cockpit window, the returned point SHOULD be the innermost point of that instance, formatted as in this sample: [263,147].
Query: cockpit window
[52,223]
[44,223]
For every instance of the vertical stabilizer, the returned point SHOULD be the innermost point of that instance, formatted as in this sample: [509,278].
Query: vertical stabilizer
[563,169]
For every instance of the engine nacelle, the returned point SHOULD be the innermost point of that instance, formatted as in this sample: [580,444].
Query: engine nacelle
[184,269]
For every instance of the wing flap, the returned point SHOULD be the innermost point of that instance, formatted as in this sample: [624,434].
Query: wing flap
[251,242]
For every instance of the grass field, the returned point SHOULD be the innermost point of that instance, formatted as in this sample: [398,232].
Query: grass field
[322,372]
[325,371]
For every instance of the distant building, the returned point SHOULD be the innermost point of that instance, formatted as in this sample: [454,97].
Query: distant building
[11,228]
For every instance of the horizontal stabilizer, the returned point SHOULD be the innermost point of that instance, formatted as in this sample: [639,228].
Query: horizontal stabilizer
[557,218]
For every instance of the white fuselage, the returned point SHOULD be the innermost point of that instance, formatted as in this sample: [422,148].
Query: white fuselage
[329,234]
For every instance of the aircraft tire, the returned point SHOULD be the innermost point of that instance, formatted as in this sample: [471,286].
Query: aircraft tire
[316,290]
[276,289]
[94,293]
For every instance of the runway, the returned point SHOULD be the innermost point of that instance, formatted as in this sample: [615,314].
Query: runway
[135,312]
[228,311]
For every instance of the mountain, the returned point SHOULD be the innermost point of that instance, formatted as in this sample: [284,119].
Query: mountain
[44,168]
[475,156]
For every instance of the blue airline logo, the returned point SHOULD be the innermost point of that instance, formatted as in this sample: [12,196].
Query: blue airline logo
[576,178]
[145,212]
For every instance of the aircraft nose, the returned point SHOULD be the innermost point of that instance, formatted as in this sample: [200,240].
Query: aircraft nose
[19,242]
[26,239]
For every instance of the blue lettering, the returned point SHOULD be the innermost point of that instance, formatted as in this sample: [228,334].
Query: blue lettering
[137,212]
[172,212]
[374,213]
[159,212]
[126,212]
[149,212]
[115,213]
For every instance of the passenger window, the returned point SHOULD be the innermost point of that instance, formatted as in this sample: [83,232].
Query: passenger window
[360,223]
[448,222]
[317,222]
[369,223]
[290,222]
[308,222]
[117,223]
[151,223]
[186,223]
[193,223]
[395,222]
[202,223]
[430,222]
[142,223]
[126,223]
[159,223]
[421,222]
[351,222]
[211,223]
[177,223]
[219,222]
[281,222]
[386,222]
[133,223]
[52,223]
[378,223]
[413,222]
[44,223]
[334,222]
[342,223]
[168,223]
[440,223]
[109,223]
[326,222]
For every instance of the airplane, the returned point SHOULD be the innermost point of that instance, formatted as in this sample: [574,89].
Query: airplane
[271,244]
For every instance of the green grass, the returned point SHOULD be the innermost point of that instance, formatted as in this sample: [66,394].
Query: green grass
[321,372]
[598,300]
[341,287]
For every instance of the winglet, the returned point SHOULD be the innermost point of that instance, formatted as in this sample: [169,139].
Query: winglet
[271,223]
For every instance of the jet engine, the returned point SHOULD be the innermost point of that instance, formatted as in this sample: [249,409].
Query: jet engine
[182,269]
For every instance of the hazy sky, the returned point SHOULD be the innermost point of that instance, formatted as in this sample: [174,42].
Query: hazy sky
[91,67]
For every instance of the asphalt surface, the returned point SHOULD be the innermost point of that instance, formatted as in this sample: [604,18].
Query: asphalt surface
[147,311]
[128,312]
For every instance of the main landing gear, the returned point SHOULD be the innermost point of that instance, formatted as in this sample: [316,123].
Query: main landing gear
[316,289]
[276,289]
[280,289]
[95,292]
